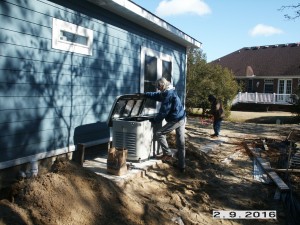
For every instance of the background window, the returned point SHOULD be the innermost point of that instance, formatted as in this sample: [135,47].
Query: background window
[250,86]
[269,86]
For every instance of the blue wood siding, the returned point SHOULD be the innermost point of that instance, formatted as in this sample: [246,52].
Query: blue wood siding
[48,95]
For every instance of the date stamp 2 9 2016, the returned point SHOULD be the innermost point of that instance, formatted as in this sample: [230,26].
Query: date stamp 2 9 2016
[244,214]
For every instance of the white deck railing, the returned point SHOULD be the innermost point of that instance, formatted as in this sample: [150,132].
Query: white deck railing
[264,98]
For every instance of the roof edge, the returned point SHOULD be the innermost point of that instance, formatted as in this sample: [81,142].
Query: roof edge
[267,77]
[135,13]
[258,48]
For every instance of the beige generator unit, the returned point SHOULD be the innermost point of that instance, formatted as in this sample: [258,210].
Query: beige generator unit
[131,129]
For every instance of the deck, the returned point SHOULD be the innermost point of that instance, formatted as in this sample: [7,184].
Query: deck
[265,98]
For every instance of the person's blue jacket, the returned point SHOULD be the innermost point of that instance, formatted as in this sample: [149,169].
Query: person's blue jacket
[171,108]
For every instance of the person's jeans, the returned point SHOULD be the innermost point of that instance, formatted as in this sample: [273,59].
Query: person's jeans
[217,126]
[179,127]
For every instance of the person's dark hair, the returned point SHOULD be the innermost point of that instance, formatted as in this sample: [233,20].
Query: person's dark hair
[211,98]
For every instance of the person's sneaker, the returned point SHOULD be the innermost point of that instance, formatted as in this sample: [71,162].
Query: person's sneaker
[214,136]
[167,158]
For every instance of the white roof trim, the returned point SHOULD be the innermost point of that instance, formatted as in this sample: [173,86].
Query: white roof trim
[144,18]
[269,77]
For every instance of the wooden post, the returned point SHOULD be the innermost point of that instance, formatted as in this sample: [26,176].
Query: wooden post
[78,155]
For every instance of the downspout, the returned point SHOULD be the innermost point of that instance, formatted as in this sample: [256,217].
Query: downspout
[185,77]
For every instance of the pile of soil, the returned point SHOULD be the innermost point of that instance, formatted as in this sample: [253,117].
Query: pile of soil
[220,180]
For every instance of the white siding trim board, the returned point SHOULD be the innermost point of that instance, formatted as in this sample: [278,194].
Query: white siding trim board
[36,157]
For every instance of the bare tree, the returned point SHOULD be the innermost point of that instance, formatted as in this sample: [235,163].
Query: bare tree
[295,7]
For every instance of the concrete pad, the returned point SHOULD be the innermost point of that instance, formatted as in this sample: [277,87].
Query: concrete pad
[135,169]
[138,169]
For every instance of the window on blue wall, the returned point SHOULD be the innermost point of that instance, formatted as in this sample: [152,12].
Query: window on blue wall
[154,65]
[150,77]
[71,37]
[167,70]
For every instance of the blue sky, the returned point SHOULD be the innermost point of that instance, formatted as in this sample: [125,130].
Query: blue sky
[225,26]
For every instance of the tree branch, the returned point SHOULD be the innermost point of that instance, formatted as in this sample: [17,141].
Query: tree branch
[295,7]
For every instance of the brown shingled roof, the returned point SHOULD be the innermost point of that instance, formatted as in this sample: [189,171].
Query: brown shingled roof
[273,60]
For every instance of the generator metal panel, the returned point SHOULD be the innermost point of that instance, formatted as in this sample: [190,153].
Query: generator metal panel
[135,136]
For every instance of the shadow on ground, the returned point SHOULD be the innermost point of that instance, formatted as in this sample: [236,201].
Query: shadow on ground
[274,120]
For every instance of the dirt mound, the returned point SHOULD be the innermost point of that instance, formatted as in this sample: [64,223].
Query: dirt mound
[71,194]
[68,195]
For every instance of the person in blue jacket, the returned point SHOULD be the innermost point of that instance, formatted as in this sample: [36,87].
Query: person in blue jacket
[173,112]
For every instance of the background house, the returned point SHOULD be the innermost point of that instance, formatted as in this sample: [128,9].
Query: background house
[266,69]
[63,63]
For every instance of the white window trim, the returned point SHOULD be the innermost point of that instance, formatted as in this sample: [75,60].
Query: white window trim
[160,56]
[284,85]
[57,43]
[269,81]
